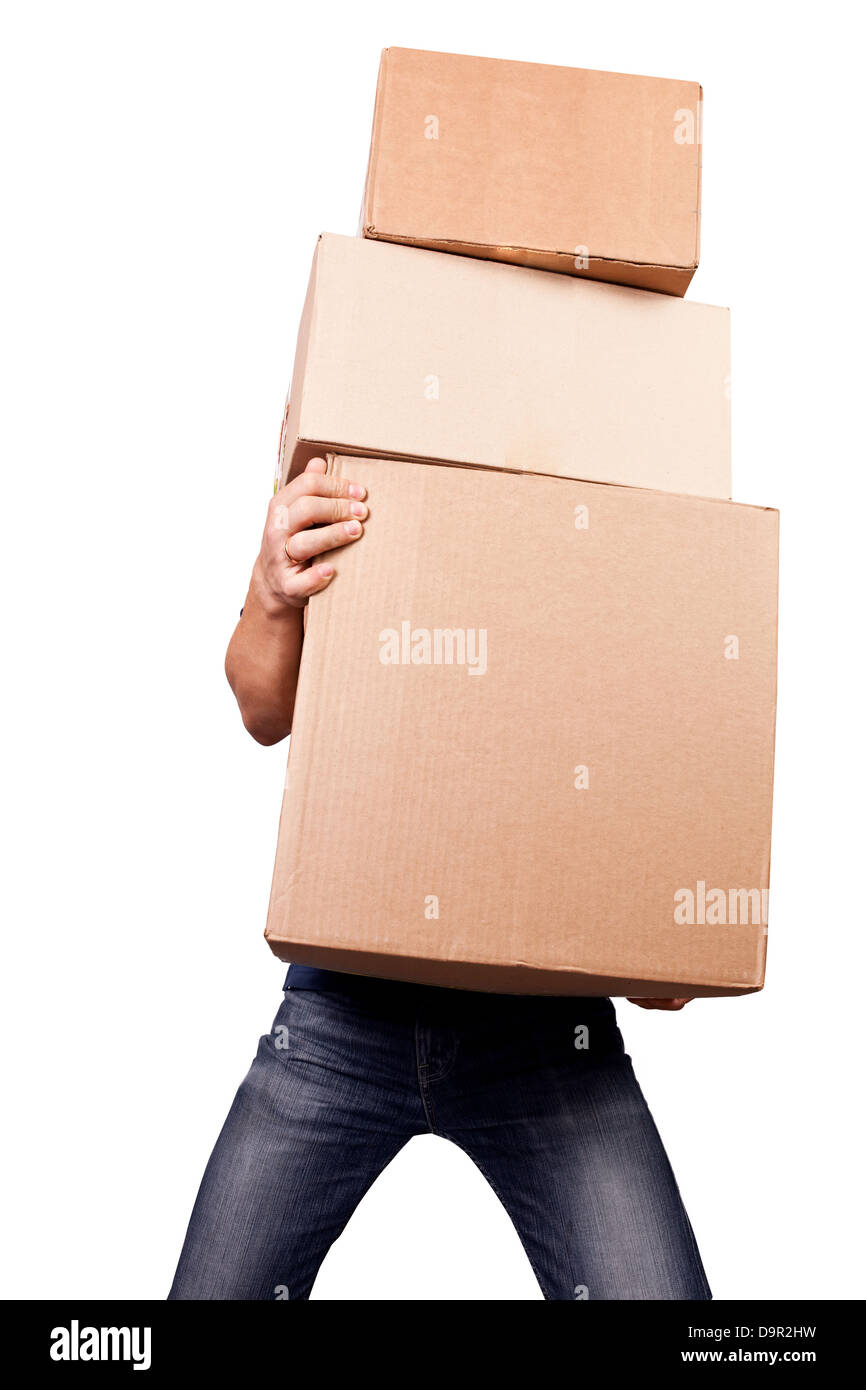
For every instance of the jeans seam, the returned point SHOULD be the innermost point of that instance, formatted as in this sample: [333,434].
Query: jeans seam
[444,1071]
[690,1234]
[423,1067]
[542,1284]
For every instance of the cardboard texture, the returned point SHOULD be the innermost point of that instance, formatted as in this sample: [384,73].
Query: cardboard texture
[578,801]
[418,355]
[594,174]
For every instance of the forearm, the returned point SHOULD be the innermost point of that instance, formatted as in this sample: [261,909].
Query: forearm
[262,662]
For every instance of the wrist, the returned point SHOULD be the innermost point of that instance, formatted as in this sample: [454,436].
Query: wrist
[273,605]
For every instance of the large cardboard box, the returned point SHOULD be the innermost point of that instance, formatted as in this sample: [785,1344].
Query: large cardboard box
[425,356]
[533,740]
[590,173]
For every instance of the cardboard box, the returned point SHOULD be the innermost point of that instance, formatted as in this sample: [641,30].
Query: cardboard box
[413,354]
[533,741]
[590,173]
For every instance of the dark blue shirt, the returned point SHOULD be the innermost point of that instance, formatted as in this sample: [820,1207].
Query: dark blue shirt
[311,977]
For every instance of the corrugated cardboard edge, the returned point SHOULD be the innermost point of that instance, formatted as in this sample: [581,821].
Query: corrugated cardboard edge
[373,154]
[333,457]
[519,977]
[306,449]
[699,181]
[635,275]
[761,967]
[287,460]
[662,279]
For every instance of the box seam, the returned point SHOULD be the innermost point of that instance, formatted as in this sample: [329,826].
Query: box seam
[347,451]
[573,972]
[375,234]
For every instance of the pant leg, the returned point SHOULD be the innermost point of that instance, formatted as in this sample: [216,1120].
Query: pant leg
[566,1139]
[329,1100]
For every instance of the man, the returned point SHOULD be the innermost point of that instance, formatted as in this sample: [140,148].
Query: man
[538,1091]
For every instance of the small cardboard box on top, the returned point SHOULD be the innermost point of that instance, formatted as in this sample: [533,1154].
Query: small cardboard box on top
[596,174]
[533,740]
[422,356]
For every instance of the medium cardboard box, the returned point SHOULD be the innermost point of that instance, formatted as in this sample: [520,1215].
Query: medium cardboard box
[533,740]
[590,173]
[419,355]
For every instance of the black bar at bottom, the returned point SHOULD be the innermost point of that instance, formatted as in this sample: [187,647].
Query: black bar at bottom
[159,1338]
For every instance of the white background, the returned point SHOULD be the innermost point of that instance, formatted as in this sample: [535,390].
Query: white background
[165,171]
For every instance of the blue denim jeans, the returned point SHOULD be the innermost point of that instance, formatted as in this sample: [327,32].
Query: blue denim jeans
[539,1092]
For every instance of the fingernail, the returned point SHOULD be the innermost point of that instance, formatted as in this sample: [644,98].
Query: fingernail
[355,490]
[358,509]
[326,571]
[353,528]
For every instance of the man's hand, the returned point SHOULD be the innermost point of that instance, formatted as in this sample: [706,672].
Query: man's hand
[310,516]
[670,1005]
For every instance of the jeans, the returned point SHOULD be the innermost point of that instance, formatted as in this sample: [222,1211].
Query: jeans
[539,1092]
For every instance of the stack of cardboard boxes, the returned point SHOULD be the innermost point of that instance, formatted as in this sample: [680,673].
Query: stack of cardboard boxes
[533,739]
